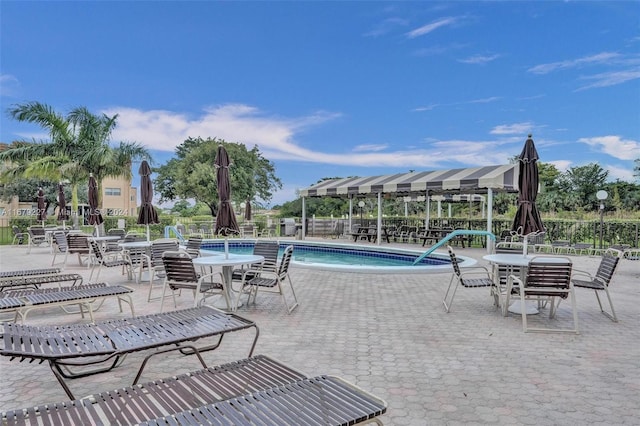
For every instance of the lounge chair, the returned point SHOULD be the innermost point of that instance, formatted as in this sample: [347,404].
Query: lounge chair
[85,296]
[103,344]
[256,390]
[34,278]
[473,277]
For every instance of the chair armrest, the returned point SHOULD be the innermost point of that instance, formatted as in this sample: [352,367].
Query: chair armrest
[475,270]
[114,255]
[578,272]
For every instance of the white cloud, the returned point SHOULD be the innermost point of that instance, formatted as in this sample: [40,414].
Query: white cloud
[278,138]
[484,100]
[622,173]
[9,85]
[371,147]
[615,146]
[610,78]
[426,29]
[600,58]
[479,59]
[510,129]
[561,165]
[385,27]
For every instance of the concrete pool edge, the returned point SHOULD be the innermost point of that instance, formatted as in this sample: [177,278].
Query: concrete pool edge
[464,261]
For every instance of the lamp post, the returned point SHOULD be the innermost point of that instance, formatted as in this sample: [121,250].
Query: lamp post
[361,206]
[601,196]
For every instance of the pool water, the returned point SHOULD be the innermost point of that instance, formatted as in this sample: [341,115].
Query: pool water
[335,255]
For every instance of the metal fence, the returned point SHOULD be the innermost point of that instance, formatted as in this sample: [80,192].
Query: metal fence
[577,231]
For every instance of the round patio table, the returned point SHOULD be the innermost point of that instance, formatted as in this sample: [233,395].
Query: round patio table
[227,262]
[521,261]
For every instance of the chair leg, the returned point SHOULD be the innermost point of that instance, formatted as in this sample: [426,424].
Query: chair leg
[523,309]
[284,299]
[447,303]
[612,316]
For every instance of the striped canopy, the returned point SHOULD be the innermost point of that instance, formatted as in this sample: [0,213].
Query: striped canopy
[502,178]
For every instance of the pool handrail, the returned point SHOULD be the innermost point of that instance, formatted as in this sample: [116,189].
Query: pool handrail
[453,235]
[167,233]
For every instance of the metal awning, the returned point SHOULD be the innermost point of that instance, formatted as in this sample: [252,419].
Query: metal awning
[502,178]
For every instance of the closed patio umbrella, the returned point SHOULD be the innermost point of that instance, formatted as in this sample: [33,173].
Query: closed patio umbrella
[226,223]
[42,208]
[62,205]
[247,210]
[527,219]
[95,218]
[148,214]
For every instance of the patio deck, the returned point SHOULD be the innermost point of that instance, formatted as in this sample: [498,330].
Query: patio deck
[391,336]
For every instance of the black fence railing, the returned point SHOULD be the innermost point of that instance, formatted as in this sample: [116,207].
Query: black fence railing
[576,231]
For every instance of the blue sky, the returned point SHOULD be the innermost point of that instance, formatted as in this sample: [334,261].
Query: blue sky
[337,89]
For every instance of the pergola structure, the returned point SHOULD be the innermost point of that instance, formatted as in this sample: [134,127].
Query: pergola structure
[477,180]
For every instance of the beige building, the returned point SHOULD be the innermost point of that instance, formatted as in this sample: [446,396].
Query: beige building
[119,198]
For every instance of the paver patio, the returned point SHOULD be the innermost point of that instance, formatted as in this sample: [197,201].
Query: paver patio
[390,335]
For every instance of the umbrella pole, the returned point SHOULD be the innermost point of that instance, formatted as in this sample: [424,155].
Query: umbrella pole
[148,234]
[226,247]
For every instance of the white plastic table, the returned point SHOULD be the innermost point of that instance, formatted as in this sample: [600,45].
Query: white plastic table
[134,244]
[211,259]
[521,261]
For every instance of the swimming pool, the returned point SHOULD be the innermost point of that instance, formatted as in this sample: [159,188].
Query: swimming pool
[350,257]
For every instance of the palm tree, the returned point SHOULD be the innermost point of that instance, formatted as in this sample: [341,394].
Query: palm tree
[78,145]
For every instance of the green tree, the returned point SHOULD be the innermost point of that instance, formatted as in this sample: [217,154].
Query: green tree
[580,185]
[192,175]
[79,144]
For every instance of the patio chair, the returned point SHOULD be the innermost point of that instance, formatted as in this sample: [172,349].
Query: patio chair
[113,245]
[78,244]
[546,280]
[182,230]
[180,273]
[18,236]
[473,277]
[536,242]
[194,243]
[600,281]
[139,259]
[271,281]
[265,248]
[60,246]
[156,264]
[205,230]
[194,230]
[133,236]
[101,260]
[37,237]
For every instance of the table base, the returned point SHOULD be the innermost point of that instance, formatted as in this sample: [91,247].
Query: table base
[516,308]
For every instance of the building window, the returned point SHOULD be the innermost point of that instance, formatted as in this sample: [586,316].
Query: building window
[112,191]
